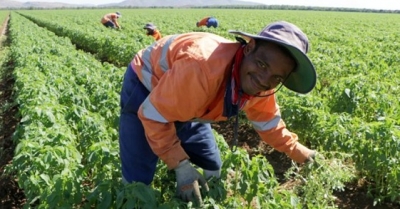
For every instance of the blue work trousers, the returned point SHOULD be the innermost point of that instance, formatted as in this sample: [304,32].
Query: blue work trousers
[109,24]
[138,160]
[212,22]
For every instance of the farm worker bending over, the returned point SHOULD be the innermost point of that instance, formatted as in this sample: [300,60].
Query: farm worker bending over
[152,31]
[175,87]
[208,21]
[111,20]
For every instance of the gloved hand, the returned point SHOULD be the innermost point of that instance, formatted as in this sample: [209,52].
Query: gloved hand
[188,179]
[311,157]
[315,157]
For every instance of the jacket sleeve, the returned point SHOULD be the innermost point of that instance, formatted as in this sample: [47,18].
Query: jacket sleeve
[264,114]
[115,19]
[181,95]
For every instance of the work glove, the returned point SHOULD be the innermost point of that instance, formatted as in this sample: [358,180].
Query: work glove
[311,157]
[188,179]
[208,174]
[315,158]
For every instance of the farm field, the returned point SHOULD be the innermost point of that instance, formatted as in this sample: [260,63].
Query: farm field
[61,76]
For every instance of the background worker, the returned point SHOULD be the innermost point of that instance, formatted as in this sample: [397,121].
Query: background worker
[111,20]
[175,87]
[208,21]
[152,31]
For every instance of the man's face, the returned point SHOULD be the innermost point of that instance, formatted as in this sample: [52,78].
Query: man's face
[149,31]
[264,68]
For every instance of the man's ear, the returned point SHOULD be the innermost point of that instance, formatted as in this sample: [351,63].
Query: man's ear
[249,47]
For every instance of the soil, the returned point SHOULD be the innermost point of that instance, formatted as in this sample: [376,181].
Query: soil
[12,197]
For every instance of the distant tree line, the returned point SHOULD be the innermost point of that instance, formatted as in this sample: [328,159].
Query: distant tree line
[266,7]
[290,7]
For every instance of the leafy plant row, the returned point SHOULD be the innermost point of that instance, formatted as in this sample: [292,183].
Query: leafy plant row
[113,47]
[68,102]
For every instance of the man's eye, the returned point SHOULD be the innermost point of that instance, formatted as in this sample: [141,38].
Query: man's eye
[261,64]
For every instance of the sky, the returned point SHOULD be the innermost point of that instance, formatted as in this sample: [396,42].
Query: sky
[368,4]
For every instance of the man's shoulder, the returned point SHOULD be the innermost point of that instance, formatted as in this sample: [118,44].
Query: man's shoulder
[205,37]
[206,48]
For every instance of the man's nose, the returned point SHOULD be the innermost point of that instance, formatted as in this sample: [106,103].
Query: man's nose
[266,78]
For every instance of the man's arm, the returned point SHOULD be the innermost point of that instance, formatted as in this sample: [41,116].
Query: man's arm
[117,24]
[115,20]
[265,116]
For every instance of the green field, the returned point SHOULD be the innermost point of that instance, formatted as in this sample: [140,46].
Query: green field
[68,72]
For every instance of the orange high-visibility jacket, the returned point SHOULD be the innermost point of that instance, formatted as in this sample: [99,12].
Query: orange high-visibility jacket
[110,17]
[203,22]
[187,75]
[156,35]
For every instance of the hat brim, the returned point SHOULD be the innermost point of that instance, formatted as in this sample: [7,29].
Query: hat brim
[304,77]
